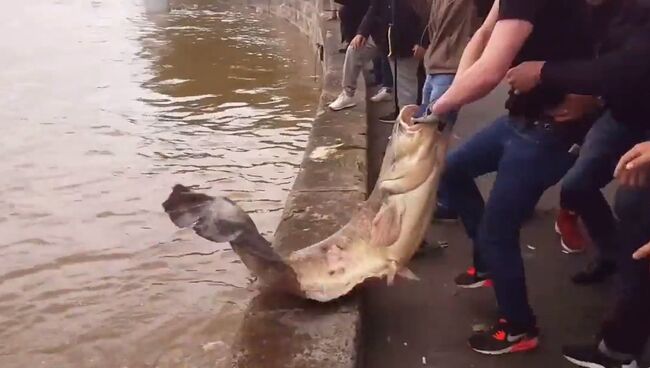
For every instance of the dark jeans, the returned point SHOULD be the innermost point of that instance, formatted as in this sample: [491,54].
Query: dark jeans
[581,192]
[628,328]
[382,71]
[528,160]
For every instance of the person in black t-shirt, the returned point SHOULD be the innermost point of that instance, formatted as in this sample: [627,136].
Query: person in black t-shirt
[527,148]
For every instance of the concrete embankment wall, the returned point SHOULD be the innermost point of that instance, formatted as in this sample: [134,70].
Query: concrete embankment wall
[282,332]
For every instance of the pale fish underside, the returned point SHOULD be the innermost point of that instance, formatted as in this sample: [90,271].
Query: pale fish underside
[378,241]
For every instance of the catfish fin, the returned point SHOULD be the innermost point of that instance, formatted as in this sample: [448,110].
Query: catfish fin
[386,226]
[390,278]
[408,274]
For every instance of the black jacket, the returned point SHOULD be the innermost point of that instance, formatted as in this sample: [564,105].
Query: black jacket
[621,72]
[351,15]
[405,33]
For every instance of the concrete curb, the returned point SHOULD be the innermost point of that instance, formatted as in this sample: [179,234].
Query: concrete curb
[283,332]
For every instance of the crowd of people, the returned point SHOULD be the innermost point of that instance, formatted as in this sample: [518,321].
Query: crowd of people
[578,112]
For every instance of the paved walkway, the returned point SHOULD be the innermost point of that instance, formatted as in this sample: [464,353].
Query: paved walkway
[427,323]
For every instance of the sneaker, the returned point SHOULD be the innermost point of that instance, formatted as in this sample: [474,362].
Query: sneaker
[444,214]
[568,227]
[384,94]
[343,102]
[596,272]
[390,118]
[471,279]
[592,356]
[501,339]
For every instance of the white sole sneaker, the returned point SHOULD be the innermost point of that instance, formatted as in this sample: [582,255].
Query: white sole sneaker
[596,365]
[343,107]
[381,96]
[342,102]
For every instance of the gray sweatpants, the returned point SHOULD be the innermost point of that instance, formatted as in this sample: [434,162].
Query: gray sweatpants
[355,60]
[407,80]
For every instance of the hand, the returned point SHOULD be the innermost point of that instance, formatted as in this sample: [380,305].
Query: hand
[633,168]
[418,52]
[358,42]
[643,252]
[525,76]
[575,107]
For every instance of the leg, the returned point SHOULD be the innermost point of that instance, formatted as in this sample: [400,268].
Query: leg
[427,88]
[531,162]
[581,189]
[355,60]
[435,86]
[386,73]
[440,83]
[480,155]
[516,191]
[422,75]
[627,329]
[406,81]
[629,326]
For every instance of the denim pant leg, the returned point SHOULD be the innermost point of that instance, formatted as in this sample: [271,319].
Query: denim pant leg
[581,192]
[434,87]
[480,155]
[628,328]
[439,84]
[427,88]
[531,162]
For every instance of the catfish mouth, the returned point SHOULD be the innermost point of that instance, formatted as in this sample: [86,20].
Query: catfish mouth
[405,118]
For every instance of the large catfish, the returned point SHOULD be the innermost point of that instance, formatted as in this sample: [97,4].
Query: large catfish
[378,241]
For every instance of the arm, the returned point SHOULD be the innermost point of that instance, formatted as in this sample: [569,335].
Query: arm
[479,40]
[609,73]
[484,75]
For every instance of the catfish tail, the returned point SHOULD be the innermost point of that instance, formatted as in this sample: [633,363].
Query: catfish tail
[221,220]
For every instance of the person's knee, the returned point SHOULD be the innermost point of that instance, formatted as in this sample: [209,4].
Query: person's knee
[454,169]
[351,53]
[576,190]
[632,204]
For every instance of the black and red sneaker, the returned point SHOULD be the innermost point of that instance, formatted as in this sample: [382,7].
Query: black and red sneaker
[471,279]
[502,339]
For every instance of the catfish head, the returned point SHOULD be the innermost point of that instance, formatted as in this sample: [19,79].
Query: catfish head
[410,138]
[410,157]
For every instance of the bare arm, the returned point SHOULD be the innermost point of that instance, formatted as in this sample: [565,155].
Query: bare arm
[484,75]
[479,40]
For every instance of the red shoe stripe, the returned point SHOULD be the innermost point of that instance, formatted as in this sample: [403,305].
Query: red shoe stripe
[525,345]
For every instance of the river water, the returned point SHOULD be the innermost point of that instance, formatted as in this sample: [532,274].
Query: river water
[103,108]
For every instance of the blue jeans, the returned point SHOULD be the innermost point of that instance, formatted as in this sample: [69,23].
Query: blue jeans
[528,160]
[434,87]
[581,192]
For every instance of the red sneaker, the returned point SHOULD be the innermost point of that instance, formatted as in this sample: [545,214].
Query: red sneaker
[568,227]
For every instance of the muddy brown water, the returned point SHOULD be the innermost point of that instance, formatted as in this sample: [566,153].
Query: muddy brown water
[102,109]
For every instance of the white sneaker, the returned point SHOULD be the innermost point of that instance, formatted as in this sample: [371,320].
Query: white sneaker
[343,102]
[384,94]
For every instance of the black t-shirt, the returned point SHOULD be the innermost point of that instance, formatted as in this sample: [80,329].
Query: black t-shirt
[560,32]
